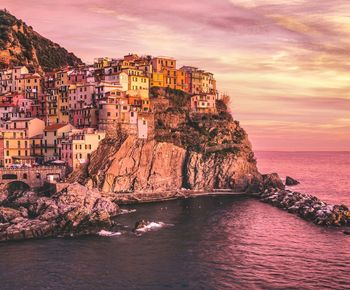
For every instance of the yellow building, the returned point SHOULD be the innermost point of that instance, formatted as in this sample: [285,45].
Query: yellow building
[29,85]
[157,80]
[63,104]
[208,83]
[61,78]
[18,138]
[102,62]
[134,84]
[52,135]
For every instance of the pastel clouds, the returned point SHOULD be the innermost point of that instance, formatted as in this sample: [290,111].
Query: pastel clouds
[285,63]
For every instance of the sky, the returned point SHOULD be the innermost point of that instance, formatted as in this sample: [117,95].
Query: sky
[285,64]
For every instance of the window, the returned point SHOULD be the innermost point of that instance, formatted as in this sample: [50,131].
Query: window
[108,114]
[25,176]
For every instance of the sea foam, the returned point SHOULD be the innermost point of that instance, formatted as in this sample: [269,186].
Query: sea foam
[153,226]
[104,233]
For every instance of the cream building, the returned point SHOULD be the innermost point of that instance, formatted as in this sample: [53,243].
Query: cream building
[76,148]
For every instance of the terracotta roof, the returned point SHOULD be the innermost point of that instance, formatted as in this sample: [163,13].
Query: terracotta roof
[54,127]
[39,136]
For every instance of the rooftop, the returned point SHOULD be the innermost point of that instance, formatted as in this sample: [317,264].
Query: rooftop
[54,127]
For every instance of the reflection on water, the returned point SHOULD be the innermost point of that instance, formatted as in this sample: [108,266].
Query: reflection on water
[215,243]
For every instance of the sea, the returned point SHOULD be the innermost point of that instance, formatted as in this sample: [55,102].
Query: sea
[202,243]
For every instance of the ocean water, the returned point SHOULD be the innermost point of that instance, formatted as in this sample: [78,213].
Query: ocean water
[324,174]
[203,243]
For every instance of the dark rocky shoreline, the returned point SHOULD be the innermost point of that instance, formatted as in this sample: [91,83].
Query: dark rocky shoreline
[76,210]
[306,206]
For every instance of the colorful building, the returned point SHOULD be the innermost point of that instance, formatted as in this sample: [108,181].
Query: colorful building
[76,148]
[18,136]
[52,134]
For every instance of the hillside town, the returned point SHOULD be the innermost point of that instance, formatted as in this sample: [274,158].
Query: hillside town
[60,117]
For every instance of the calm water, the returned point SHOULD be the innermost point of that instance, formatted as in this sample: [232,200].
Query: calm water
[214,243]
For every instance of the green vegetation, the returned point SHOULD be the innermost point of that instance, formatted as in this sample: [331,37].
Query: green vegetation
[49,54]
[178,98]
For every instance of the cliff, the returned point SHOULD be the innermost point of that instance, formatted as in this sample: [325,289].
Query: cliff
[184,151]
[21,45]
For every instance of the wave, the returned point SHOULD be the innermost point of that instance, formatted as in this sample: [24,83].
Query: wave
[104,233]
[152,226]
[126,211]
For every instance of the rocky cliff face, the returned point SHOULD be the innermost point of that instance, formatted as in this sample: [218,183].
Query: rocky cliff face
[186,151]
[21,45]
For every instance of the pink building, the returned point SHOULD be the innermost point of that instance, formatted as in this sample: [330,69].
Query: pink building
[203,103]
[79,97]
[76,76]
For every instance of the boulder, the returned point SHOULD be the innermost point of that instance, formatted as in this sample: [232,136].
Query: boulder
[140,224]
[272,180]
[8,214]
[3,196]
[291,181]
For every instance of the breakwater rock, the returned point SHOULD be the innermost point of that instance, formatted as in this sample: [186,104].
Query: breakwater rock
[74,210]
[307,207]
[291,181]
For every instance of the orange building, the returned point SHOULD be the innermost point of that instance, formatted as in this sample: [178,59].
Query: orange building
[160,63]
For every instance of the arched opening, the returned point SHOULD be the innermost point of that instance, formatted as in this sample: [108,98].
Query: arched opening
[9,176]
[25,176]
[17,185]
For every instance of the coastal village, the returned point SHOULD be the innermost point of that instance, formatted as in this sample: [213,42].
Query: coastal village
[60,117]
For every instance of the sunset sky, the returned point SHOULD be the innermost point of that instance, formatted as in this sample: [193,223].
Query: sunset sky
[285,64]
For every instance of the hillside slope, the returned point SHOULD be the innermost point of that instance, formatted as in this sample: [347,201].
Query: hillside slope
[21,45]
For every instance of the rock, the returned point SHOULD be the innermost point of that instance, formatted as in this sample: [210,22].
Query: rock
[8,214]
[75,210]
[140,224]
[272,181]
[291,182]
[346,233]
[199,155]
[3,195]
[307,207]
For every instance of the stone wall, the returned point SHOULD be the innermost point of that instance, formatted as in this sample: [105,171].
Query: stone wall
[35,177]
